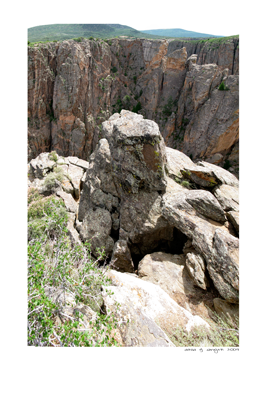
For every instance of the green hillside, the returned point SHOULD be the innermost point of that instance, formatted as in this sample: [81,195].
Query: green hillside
[178,33]
[70,31]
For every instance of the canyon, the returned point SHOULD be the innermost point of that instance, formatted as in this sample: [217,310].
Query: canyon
[74,86]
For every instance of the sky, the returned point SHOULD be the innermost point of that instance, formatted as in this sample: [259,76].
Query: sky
[200,16]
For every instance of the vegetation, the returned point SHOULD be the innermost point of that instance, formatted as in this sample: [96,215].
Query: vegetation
[222,86]
[63,282]
[227,164]
[52,178]
[186,184]
[137,107]
[221,334]
[79,39]
[168,108]
[72,31]
[53,156]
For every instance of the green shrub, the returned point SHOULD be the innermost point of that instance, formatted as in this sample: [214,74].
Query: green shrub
[33,195]
[119,105]
[135,79]
[79,39]
[137,107]
[46,217]
[114,69]
[56,270]
[222,86]
[126,99]
[227,164]
[52,178]
[53,156]
[186,184]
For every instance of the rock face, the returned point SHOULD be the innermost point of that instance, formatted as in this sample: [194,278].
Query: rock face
[150,311]
[169,227]
[142,210]
[73,87]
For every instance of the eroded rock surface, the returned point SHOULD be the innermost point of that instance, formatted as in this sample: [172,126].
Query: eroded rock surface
[73,87]
[157,214]
[149,309]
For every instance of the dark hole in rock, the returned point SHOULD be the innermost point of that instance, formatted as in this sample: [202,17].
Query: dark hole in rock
[80,186]
[158,241]
[115,234]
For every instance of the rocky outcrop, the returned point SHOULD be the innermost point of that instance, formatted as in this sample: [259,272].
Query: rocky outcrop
[223,52]
[150,311]
[153,212]
[73,87]
[160,217]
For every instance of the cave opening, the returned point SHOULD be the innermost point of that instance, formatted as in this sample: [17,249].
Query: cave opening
[158,242]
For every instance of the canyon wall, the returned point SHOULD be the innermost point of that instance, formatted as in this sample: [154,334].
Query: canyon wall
[73,87]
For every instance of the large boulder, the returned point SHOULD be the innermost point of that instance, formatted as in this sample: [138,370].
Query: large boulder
[151,312]
[169,271]
[137,153]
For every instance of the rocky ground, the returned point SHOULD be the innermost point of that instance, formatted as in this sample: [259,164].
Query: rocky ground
[169,227]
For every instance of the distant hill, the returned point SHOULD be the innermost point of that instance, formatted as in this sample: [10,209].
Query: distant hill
[178,33]
[70,31]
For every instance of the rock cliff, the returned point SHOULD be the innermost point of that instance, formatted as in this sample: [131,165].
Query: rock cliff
[169,226]
[73,87]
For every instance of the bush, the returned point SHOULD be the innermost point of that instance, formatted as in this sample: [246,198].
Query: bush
[79,39]
[33,195]
[53,178]
[137,107]
[62,280]
[186,184]
[222,86]
[114,69]
[126,99]
[47,217]
[53,156]
[227,164]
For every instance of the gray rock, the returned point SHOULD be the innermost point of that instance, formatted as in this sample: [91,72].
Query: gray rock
[176,160]
[138,153]
[121,257]
[210,239]
[96,229]
[196,267]
[223,266]
[170,273]
[146,305]
[72,232]
[206,204]
[70,203]
[228,197]
[41,165]
[233,217]
[209,175]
